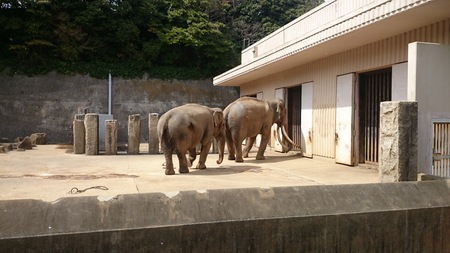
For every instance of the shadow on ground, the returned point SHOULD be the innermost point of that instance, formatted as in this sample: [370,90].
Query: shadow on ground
[226,170]
[273,158]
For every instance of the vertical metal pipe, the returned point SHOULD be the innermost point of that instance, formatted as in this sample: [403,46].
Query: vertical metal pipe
[109,93]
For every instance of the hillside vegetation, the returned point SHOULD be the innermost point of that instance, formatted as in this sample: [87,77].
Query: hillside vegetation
[168,39]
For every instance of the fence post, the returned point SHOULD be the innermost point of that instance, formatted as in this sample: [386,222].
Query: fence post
[91,128]
[111,137]
[153,142]
[79,134]
[134,125]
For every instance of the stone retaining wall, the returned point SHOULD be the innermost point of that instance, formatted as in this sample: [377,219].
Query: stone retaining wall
[48,103]
[389,217]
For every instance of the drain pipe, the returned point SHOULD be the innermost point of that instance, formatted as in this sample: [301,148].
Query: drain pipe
[109,93]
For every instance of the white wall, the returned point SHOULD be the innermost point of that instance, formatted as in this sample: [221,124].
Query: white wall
[400,81]
[429,85]
[392,51]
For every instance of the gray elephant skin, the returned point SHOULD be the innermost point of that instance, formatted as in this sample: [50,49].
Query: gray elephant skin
[247,117]
[182,128]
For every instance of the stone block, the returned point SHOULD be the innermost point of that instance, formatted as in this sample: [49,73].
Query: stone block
[79,141]
[9,146]
[398,141]
[91,128]
[153,142]
[25,144]
[4,148]
[39,138]
[134,125]
[111,137]
[102,118]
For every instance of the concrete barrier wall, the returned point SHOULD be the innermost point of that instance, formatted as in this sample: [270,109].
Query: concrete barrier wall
[391,217]
[48,103]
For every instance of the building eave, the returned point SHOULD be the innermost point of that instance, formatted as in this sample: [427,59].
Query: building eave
[349,32]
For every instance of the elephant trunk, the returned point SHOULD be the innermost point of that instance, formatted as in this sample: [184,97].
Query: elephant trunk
[221,146]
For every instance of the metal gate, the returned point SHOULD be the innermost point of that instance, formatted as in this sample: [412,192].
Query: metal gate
[294,113]
[375,87]
[441,149]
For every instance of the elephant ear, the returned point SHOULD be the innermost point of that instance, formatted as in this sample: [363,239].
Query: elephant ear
[217,117]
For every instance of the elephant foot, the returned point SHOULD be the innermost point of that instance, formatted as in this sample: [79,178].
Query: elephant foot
[245,155]
[201,167]
[231,157]
[260,157]
[170,171]
[239,160]
[183,170]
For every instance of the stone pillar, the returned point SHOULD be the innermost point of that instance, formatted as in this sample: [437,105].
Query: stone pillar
[153,142]
[111,137]
[91,126]
[78,136]
[134,125]
[398,141]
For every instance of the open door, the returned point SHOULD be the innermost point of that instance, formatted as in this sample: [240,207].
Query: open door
[281,94]
[307,119]
[344,137]
[257,143]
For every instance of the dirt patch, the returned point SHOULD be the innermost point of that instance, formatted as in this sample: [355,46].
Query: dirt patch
[71,177]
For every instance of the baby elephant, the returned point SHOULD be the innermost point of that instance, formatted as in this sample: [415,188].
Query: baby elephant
[182,128]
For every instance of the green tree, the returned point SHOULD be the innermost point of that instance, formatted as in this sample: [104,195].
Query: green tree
[190,36]
[165,38]
[253,20]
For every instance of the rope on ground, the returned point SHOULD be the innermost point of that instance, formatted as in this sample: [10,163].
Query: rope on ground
[75,190]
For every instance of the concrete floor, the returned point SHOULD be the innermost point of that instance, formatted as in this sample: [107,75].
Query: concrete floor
[49,172]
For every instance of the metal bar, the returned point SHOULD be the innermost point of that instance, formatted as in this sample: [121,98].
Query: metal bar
[441,149]
[109,94]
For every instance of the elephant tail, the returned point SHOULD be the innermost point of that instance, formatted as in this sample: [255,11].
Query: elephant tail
[229,139]
[165,139]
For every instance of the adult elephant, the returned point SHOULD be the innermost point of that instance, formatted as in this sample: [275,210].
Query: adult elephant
[184,127]
[246,118]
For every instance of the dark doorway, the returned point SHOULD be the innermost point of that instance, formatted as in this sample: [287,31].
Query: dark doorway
[374,88]
[294,112]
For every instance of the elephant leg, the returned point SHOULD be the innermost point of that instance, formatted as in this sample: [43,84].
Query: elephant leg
[248,145]
[262,147]
[192,156]
[230,146]
[203,155]
[238,145]
[182,161]
[169,170]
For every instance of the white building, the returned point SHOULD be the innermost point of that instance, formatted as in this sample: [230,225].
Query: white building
[336,63]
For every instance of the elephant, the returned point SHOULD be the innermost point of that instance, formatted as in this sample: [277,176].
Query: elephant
[247,117]
[182,128]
